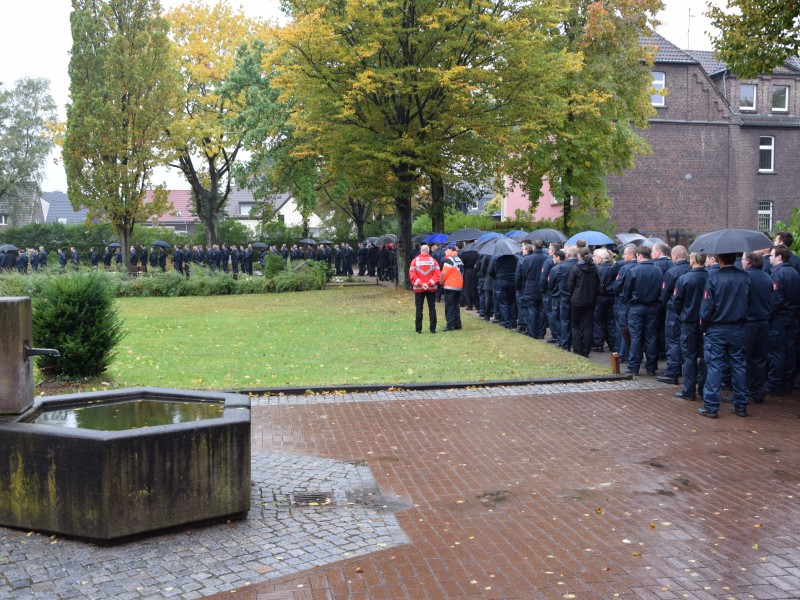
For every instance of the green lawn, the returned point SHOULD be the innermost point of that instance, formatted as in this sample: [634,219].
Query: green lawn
[347,335]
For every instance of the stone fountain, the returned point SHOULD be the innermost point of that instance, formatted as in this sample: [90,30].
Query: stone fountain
[106,466]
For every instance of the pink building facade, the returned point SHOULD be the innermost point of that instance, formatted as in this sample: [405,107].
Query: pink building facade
[516,199]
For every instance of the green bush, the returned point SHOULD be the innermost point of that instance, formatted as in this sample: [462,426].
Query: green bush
[273,264]
[76,315]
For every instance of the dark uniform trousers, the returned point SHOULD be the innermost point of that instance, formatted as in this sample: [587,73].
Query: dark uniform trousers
[419,301]
[452,308]
[672,339]
[756,341]
[694,367]
[643,325]
[725,343]
[781,353]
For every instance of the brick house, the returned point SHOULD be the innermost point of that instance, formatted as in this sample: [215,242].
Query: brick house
[724,149]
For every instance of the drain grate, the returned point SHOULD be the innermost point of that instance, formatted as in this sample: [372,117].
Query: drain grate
[304,498]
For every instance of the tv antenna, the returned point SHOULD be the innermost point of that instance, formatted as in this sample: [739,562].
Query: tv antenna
[689,30]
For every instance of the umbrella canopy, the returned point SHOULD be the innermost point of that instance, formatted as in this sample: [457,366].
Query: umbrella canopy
[730,241]
[436,238]
[371,240]
[630,238]
[488,236]
[420,237]
[113,245]
[259,245]
[500,246]
[156,243]
[386,238]
[8,248]
[325,242]
[307,241]
[519,236]
[592,238]
[548,236]
[463,235]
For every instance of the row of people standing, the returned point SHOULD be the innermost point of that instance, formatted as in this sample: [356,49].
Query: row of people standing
[35,260]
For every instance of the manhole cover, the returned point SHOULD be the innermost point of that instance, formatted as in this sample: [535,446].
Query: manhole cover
[311,498]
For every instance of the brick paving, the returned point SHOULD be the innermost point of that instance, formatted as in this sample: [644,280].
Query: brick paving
[593,490]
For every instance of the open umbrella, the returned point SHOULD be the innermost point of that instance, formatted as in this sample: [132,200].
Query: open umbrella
[156,243]
[730,241]
[420,237]
[259,245]
[113,245]
[630,238]
[463,235]
[307,241]
[519,236]
[386,238]
[500,246]
[371,240]
[548,236]
[592,238]
[436,238]
[8,248]
[325,242]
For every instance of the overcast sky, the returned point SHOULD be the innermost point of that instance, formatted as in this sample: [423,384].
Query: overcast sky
[35,42]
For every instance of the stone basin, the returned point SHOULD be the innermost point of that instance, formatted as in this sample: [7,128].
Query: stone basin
[70,469]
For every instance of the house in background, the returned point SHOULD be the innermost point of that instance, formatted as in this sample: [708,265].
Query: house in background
[56,208]
[725,149]
[516,199]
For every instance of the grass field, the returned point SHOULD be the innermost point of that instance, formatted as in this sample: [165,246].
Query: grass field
[347,335]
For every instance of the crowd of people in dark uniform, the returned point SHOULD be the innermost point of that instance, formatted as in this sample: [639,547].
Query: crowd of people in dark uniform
[715,321]
[28,260]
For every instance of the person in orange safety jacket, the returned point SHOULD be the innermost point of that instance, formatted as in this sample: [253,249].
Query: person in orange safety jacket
[452,281]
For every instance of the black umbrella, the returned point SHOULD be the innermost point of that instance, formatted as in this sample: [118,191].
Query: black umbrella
[325,242]
[156,243]
[307,241]
[259,245]
[630,238]
[549,236]
[420,237]
[520,236]
[8,248]
[463,235]
[372,240]
[387,238]
[500,246]
[730,241]
[113,245]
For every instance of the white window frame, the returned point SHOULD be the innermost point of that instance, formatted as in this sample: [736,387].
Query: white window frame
[742,86]
[764,147]
[785,107]
[764,215]
[245,208]
[3,219]
[658,84]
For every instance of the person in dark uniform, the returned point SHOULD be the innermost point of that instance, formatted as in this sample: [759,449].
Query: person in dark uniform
[503,269]
[118,258]
[74,258]
[687,297]
[604,326]
[547,301]
[362,259]
[672,326]
[756,331]
[224,257]
[235,260]
[22,262]
[33,257]
[134,258]
[162,259]
[565,299]
[177,259]
[583,284]
[554,278]
[94,257]
[723,315]
[532,290]
[372,260]
[785,304]
[642,291]
[248,260]
[42,258]
[62,259]
[153,258]
[469,259]
[143,256]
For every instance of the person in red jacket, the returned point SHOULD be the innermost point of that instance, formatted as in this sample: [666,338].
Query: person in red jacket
[424,274]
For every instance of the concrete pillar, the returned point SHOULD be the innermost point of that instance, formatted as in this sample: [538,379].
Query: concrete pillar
[16,369]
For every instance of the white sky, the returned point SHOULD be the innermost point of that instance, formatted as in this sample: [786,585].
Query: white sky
[35,42]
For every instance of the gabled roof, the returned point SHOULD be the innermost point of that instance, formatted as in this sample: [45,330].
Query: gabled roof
[667,51]
[182,207]
[709,61]
[60,209]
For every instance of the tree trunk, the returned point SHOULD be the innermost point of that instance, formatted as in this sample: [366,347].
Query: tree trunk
[403,207]
[125,246]
[437,205]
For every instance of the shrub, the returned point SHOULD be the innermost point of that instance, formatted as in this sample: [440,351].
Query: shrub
[273,264]
[75,314]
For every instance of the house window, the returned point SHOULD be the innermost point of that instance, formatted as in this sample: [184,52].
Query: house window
[244,209]
[3,219]
[659,79]
[747,96]
[766,154]
[780,98]
[765,216]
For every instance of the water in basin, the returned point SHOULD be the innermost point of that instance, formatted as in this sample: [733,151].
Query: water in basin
[131,414]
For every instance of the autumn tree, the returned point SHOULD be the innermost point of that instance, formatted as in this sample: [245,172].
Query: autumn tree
[603,103]
[756,37]
[27,119]
[123,86]
[206,134]
[413,85]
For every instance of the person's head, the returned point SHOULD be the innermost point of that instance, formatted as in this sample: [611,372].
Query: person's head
[629,252]
[600,255]
[425,249]
[559,256]
[644,253]
[527,248]
[538,243]
[697,259]
[780,252]
[585,255]
[659,249]
[571,252]
[784,238]
[554,247]
[459,246]
[679,253]
[580,243]
[726,259]
[752,260]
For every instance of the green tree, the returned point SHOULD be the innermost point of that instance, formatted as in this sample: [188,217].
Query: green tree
[414,85]
[124,85]
[756,37]
[27,120]
[207,134]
